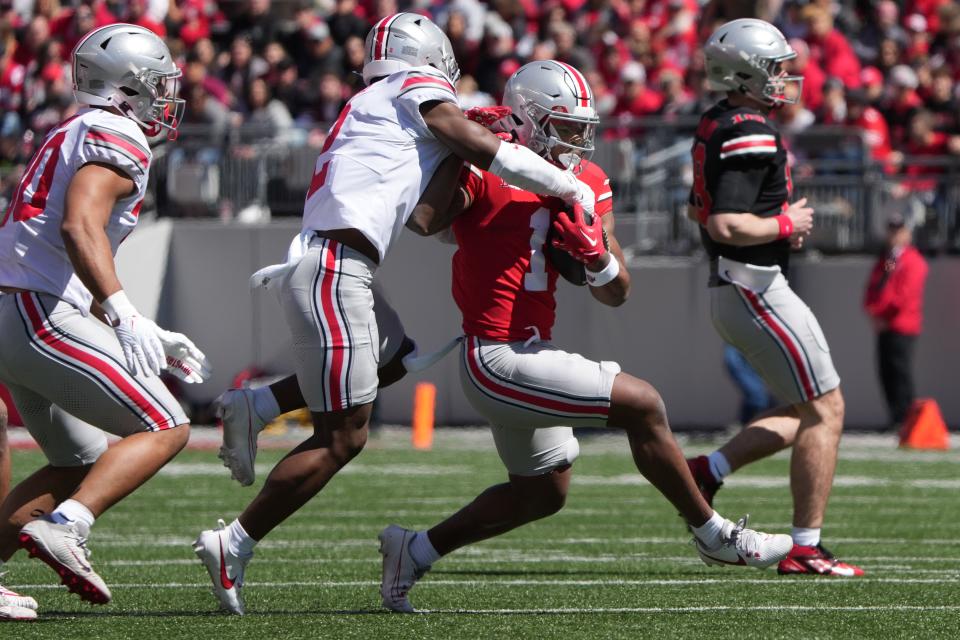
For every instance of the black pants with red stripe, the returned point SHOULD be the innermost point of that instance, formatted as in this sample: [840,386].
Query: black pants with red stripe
[895,364]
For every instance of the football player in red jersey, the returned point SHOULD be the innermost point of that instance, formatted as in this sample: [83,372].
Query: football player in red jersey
[741,198]
[531,391]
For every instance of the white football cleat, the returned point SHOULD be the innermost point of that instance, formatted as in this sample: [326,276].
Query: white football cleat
[241,425]
[400,572]
[14,606]
[742,546]
[225,569]
[64,548]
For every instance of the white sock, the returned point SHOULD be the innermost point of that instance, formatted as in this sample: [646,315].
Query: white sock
[710,532]
[422,551]
[719,465]
[72,511]
[806,537]
[265,404]
[239,541]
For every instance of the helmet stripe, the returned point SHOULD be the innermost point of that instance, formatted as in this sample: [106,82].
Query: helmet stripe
[375,41]
[383,35]
[584,90]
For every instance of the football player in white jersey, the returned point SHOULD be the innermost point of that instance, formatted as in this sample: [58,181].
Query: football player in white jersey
[71,376]
[380,154]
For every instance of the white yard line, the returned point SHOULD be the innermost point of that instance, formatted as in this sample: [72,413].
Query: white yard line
[444,582]
[708,609]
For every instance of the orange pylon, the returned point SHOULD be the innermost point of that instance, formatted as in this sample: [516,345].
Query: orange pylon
[424,402]
[924,427]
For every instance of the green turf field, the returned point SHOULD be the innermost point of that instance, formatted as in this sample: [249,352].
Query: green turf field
[615,563]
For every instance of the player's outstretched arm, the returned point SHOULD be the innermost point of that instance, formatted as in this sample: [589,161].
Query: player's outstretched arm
[615,292]
[442,201]
[514,163]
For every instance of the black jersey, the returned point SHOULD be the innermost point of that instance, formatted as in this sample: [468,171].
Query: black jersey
[740,166]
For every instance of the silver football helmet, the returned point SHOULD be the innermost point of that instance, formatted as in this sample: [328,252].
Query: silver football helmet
[130,69]
[405,40]
[746,55]
[554,111]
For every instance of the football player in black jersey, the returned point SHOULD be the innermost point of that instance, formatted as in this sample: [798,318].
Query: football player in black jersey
[741,199]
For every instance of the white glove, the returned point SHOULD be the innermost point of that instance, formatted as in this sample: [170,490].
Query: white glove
[137,335]
[585,197]
[183,358]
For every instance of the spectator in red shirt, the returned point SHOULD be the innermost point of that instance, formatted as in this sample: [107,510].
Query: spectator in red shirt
[137,14]
[829,48]
[72,24]
[929,9]
[813,75]
[924,140]
[872,82]
[894,302]
[28,47]
[867,119]
[194,24]
[637,99]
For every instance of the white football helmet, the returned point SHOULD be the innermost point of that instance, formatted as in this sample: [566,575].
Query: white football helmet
[552,106]
[746,55]
[130,69]
[405,40]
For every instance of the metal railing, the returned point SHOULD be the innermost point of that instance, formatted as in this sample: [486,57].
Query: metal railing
[251,175]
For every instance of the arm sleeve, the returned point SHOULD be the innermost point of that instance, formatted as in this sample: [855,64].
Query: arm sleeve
[116,148]
[421,86]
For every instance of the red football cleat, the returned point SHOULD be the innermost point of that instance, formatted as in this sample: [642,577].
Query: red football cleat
[816,561]
[708,485]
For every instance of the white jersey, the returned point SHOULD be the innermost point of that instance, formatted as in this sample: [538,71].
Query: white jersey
[378,158]
[32,253]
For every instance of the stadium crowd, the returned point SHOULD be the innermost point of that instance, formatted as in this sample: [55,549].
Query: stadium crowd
[284,68]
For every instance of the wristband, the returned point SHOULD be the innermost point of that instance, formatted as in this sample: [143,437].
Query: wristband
[117,307]
[786,226]
[605,275]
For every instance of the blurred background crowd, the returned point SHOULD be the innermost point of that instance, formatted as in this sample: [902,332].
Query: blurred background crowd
[276,72]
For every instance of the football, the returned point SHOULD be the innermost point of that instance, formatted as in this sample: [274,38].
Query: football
[572,271]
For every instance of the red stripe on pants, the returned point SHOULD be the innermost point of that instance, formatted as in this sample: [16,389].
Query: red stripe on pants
[473,359]
[328,304]
[103,367]
[787,341]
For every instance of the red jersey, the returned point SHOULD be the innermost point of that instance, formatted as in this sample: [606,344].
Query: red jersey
[502,282]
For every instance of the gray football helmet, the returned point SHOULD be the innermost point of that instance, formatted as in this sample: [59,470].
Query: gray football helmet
[130,69]
[746,55]
[405,40]
[552,106]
